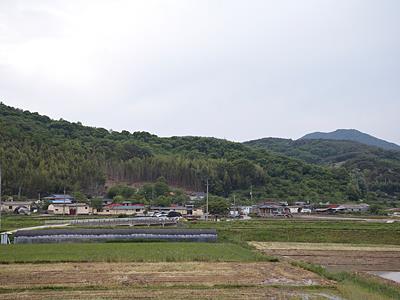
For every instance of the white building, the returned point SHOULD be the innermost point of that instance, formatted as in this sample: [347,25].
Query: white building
[16,206]
[71,209]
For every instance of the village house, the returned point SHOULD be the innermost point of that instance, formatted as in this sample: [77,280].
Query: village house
[59,198]
[123,209]
[343,208]
[71,209]
[268,209]
[246,209]
[349,208]
[18,207]
[295,209]
[241,210]
[196,196]
[299,209]
[188,210]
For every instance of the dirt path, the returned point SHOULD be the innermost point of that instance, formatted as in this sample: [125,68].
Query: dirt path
[346,218]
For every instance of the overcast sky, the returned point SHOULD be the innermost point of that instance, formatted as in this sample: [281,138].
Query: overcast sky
[238,70]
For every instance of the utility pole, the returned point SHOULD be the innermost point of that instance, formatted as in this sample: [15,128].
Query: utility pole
[64,203]
[151,202]
[207,202]
[251,193]
[235,209]
[0,197]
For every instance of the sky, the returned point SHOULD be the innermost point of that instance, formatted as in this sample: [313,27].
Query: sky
[238,70]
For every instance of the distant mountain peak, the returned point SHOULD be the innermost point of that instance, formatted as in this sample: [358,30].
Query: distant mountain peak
[352,135]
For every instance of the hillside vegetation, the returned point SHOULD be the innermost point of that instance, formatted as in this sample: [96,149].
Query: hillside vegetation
[376,171]
[41,155]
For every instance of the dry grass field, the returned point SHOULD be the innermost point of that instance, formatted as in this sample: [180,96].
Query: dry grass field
[230,280]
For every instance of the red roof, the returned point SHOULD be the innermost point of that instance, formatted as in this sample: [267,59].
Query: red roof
[333,205]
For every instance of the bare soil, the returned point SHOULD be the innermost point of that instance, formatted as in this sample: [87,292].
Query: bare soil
[337,256]
[194,280]
[166,274]
[178,293]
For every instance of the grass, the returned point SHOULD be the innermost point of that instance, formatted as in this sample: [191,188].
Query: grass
[353,285]
[354,232]
[127,252]
[264,230]
[11,222]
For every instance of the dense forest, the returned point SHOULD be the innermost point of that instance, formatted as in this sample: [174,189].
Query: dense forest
[41,155]
[376,170]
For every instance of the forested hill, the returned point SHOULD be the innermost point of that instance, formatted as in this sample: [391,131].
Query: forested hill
[41,155]
[377,170]
[352,135]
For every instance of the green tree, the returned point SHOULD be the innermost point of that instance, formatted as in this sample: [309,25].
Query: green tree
[218,205]
[96,203]
[118,199]
[161,188]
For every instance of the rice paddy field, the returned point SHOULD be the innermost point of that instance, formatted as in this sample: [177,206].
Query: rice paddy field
[127,252]
[308,231]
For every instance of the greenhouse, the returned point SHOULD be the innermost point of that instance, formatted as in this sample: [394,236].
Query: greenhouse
[101,235]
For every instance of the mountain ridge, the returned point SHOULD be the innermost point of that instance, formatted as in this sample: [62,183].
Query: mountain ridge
[352,135]
[376,169]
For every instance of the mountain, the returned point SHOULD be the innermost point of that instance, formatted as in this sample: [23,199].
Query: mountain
[351,135]
[41,155]
[374,169]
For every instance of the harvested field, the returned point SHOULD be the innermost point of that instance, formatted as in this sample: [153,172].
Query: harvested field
[200,280]
[166,274]
[179,293]
[337,256]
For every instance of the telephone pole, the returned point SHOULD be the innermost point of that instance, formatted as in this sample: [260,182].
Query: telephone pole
[0,197]
[207,202]
[251,193]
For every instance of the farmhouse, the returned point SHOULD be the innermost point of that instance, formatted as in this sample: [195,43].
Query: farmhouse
[348,208]
[246,209]
[70,209]
[343,208]
[188,210]
[16,206]
[268,209]
[197,196]
[299,209]
[60,198]
[123,209]
[295,209]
